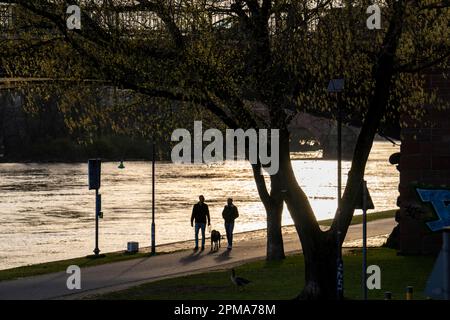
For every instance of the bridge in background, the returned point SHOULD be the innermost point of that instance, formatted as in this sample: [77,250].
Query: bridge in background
[308,132]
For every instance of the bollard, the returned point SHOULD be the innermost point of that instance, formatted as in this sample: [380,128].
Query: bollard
[409,293]
[388,295]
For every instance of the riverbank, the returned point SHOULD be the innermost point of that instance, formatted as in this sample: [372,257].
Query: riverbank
[67,150]
[257,235]
[113,277]
[48,211]
[283,280]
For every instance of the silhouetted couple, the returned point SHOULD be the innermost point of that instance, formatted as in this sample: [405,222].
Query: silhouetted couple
[200,215]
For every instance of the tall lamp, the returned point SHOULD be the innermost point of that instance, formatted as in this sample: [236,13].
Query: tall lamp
[153,237]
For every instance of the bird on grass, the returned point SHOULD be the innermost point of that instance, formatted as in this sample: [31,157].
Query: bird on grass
[238,281]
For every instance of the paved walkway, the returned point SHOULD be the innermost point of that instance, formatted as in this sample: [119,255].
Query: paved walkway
[121,275]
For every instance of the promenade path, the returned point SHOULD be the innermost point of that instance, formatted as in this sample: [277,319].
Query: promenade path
[121,275]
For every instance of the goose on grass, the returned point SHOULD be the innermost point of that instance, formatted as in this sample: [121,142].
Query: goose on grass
[238,281]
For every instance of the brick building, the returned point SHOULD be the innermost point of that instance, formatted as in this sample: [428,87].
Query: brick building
[424,162]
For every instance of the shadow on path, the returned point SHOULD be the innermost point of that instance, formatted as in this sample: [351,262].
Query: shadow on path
[194,256]
[132,266]
[224,256]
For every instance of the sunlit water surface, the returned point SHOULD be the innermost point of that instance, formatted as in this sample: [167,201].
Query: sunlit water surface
[47,212]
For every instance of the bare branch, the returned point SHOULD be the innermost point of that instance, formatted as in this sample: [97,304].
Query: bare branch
[435,6]
[414,67]
[261,185]
[253,6]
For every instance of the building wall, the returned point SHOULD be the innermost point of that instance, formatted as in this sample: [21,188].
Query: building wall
[425,162]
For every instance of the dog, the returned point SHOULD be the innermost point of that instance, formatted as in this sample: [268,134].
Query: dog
[215,240]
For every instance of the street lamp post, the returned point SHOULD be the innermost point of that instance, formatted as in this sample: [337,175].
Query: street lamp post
[97,215]
[153,199]
[122,166]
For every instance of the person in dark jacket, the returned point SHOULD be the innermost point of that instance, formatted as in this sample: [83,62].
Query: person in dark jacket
[229,214]
[200,214]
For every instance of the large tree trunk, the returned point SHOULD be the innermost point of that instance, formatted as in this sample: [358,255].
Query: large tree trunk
[320,249]
[320,269]
[273,204]
[275,247]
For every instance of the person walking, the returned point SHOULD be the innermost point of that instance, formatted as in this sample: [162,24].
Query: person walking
[200,214]
[229,214]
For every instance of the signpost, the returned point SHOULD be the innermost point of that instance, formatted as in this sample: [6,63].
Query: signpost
[364,265]
[364,204]
[94,173]
[446,263]
[438,285]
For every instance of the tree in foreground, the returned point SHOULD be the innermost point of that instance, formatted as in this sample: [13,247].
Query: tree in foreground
[225,57]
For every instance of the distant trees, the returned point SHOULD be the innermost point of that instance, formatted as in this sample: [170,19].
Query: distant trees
[226,56]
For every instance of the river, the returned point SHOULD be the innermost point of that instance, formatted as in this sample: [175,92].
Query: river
[47,211]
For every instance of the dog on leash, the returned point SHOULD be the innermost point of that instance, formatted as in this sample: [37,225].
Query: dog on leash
[215,240]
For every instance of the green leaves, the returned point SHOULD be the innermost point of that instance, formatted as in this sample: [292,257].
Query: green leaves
[284,62]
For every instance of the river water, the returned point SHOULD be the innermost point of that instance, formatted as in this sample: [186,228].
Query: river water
[47,211]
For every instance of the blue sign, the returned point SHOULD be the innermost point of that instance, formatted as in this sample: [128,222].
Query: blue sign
[336,85]
[435,283]
[440,200]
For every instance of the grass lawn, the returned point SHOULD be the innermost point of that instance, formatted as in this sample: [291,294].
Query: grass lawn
[57,266]
[283,280]
[370,217]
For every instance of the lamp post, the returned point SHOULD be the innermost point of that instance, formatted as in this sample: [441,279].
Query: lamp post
[336,86]
[153,238]
[153,198]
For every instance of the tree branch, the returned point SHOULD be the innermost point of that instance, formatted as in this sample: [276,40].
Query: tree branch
[433,6]
[237,8]
[253,6]
[164,14]
[261,185]
[383,73]
[414,67]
